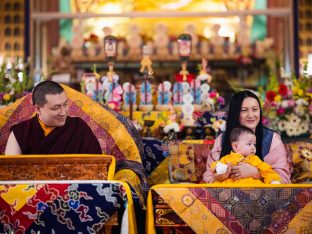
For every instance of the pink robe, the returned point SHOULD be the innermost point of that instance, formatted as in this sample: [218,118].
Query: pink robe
[277,158]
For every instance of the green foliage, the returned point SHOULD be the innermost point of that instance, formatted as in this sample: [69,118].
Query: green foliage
[273,82]
[14,80]
[274,71]
[2,75]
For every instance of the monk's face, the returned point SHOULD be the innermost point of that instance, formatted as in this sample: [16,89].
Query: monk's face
[54,112]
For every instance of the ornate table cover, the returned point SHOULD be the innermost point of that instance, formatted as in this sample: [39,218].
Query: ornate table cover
[203,208]
[64,206]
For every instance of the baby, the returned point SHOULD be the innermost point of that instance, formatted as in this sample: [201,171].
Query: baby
[243,141]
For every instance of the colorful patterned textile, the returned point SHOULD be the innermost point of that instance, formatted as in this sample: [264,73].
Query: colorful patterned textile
[188,160]
[115,133]
[301,153]
[154,153]
[67,207]
[208,208]
[155,161]
[181,163]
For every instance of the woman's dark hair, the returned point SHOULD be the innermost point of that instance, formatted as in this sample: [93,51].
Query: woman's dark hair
[42,89]
[232,122]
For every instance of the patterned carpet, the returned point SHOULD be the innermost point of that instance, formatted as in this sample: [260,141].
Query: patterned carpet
[232,210]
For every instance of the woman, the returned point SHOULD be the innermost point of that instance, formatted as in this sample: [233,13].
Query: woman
[245,110]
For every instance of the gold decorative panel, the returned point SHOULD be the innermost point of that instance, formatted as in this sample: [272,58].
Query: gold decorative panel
[148,26]
[305,27]
[54,167]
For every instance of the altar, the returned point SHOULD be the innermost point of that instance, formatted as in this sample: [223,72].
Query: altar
[153,81]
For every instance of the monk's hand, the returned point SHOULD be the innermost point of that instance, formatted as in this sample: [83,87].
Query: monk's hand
[244,170]
[221,177]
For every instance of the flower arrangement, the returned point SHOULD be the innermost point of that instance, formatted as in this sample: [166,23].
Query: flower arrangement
[216,101]
[14,81]
[287,104]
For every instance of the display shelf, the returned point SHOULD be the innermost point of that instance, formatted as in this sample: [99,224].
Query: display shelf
[135,64]
[225,72]
[165,69]
[46,16]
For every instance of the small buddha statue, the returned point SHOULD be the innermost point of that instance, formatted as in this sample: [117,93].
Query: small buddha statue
[161,41]
[134,42]
[77,41]
[243,38]
[217,41]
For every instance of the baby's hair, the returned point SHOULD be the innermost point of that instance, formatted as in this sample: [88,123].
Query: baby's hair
[236,132]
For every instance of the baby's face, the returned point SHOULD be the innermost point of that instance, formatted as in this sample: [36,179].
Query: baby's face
[246,144]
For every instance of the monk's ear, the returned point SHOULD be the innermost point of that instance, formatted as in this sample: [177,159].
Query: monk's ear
[37,109]
[235,146]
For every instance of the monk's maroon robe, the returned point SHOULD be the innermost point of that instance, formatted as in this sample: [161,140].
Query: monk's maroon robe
[75,137]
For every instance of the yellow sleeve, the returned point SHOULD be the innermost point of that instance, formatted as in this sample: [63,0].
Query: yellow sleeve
[214,164]
[254,160]
[266,171]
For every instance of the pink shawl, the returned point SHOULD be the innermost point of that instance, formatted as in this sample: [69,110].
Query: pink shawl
[277,158]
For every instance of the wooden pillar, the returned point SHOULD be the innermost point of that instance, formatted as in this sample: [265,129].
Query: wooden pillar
[281,30]
[53,27]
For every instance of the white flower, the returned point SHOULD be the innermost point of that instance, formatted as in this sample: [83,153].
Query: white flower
[222,125]
[300,110]
[292,125]
[293,119]
[301,102]
[298,131]
[290,131]
[284,104]
[218,125]
[211,101]
[281,125]
[304,127]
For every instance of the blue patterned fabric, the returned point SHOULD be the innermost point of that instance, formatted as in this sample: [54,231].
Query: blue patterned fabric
[62,208]
[154,153]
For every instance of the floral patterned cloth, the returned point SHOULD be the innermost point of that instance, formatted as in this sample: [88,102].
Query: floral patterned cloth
[187,161]
[67,207]
[301,153]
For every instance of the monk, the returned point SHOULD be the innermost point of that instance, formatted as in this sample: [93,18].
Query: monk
[115,133]
[51,130]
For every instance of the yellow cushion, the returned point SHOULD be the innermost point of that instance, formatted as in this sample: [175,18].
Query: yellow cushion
[181,163]
[301,153]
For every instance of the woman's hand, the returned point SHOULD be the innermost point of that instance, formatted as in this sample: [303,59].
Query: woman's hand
[221,177]
[244,170]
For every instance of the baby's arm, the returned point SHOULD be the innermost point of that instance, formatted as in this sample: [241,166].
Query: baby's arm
[277,158]
[213,156]
[267,173]
[221,170]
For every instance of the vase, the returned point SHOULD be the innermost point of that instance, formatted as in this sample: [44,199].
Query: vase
[289,139]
